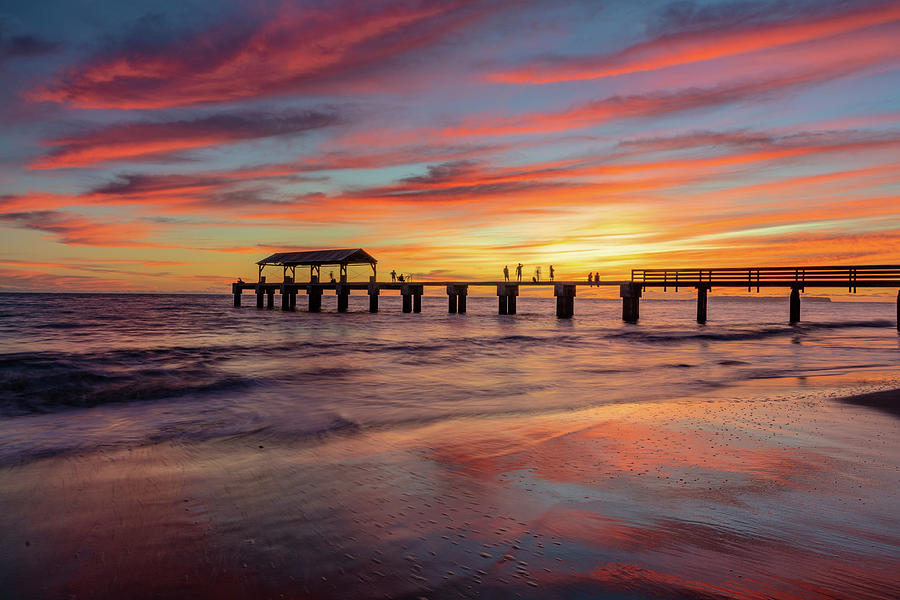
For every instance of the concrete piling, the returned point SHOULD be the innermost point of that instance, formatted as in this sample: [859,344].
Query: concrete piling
[373,295]
[702,303]
[456,294]
[631,301]
[315,298]
[565,300]
[343,297]
[507,292]
[898,310]
[270,298]
[260,294]
[795,305]
[236,290]
[412,297]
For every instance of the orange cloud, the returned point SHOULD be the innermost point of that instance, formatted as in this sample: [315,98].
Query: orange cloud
[290,49]
[696,46]
[143,140]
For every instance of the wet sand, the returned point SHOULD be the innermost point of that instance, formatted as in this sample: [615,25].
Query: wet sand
[886,400]
[742,493]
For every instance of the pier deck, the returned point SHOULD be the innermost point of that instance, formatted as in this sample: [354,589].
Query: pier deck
[795,279]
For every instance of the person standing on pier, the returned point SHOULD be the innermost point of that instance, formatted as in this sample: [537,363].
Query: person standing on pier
[537,273]
[597,278]
[590,279]
[505,272]
[551,272]
[393,275]
[331,275]
[519,272]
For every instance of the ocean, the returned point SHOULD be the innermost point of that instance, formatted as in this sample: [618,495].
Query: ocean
[95,377]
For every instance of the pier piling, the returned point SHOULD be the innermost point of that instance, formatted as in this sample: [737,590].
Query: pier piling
[702,291]
[343,297]
[373,295]
[412,297]
[795,305]
[315,298]
[898,310]
[456,294]
[507,293]
[270,298]
[631,301]
[565,300]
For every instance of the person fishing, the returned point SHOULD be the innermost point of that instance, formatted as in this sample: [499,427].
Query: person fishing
[519,272]
[505,272]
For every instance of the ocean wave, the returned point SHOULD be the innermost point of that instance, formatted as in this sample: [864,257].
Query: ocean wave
[42,383]
[742,334]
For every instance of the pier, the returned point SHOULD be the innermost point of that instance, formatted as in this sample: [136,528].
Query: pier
[794,280]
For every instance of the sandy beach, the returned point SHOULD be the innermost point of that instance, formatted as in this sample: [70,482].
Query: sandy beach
[747,493]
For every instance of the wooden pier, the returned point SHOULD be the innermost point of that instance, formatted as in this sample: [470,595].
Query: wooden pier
[794,279]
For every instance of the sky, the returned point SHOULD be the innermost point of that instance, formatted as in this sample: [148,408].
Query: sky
[168,146]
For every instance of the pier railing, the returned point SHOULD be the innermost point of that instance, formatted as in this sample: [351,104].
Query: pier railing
[756,277]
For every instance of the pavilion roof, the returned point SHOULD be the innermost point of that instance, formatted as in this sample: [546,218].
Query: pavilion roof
[320,257]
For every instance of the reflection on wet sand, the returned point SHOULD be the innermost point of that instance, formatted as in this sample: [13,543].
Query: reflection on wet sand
[720,498]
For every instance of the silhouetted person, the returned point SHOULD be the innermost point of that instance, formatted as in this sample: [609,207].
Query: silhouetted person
[534,280]
[590,279]
[240,280]
[505,272]
[551,272]
[393,275]
[597,278]
[331,275]
[537,274]
[519,272]
[400,278]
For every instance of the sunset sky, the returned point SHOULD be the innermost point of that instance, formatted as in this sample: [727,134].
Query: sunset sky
[167,146]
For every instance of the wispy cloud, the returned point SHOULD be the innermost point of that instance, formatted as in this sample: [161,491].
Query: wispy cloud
[78,230]
[705,40]
[290,49]
[159,139]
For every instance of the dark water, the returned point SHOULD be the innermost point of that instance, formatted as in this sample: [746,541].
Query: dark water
[155,366]
[170,446]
